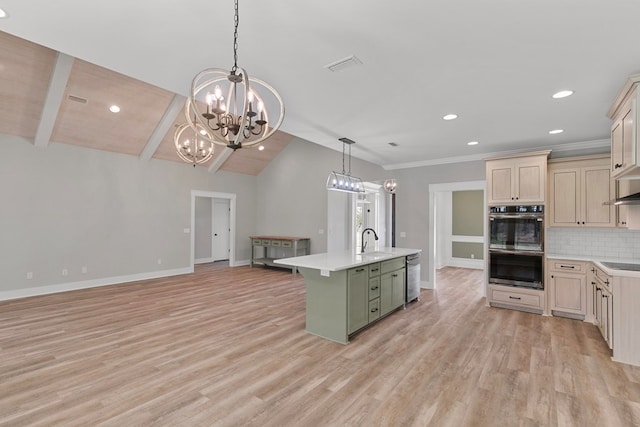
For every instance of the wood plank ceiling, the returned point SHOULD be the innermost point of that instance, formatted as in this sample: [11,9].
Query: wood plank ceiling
[144,127]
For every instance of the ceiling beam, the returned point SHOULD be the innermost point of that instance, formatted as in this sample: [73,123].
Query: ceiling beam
[165,123]
[53,99]
[219,161]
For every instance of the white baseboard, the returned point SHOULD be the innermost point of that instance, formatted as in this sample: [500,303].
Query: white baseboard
[426,284]
[241,263]
[85,284]
[203,260]
[477,264]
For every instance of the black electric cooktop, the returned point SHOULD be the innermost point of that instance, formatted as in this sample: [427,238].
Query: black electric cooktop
[622,266]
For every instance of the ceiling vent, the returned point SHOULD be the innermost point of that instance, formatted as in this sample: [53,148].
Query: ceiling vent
[393,144]
[77,99]
[344,63]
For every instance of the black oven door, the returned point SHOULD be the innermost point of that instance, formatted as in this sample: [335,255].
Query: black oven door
[516,269]
[516,232]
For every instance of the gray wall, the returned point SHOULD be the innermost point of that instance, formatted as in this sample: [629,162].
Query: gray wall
[467,213]
[69,207]
[412,201]
[66,207]
[203,228]
[292,192]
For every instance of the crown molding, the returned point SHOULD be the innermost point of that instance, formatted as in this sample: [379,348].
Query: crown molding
[482,156]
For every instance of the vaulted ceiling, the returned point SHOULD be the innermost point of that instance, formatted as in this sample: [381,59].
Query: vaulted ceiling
[49,97]
[494,63]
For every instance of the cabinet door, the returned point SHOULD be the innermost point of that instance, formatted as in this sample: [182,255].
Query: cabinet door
[530,181]
[357,299]
[568,293]
[392,289]
[500,177]
[628,139]
[616,147]
[597,188]
[564,192]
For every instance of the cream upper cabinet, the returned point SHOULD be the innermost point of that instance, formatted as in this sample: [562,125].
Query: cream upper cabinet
[625,155]
[577,191]
[517,179]
[628,216]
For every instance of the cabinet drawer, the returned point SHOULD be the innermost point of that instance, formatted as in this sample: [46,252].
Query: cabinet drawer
[256,242]
[286,243]
[276,243]
[392,264]
[374,287]
[374,309]
[568,266]
[374,269]
[264,242]
[516,298]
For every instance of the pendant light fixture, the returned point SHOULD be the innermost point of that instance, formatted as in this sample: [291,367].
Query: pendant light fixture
[193,143]
[241,111]
[344,181]
[389,185]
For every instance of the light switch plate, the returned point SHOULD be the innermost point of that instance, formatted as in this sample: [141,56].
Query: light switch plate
[403,234]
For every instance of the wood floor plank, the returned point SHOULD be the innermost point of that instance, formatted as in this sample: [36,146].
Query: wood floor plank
[227,347]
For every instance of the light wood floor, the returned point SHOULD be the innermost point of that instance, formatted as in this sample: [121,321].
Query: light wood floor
[227,347]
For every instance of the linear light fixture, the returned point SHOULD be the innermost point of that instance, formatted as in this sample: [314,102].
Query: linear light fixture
[343,181]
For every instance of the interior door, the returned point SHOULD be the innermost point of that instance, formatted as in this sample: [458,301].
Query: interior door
[220,242]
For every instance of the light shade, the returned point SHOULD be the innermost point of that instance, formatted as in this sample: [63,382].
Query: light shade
[389,185]
[341,182]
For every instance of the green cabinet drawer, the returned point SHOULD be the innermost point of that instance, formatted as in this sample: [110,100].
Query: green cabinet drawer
[392,264]
[276,243]
[256,242]
[374,309]
[374,287]
[286,243]
[264,242]
[374,269]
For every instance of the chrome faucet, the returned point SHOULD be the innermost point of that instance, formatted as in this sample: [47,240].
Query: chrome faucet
[364,244]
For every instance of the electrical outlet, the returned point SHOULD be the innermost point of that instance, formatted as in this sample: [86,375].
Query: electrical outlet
[29,275]
[473,256]
[159,261]
[65,272]
[84,269]
[321,231]
[403,234]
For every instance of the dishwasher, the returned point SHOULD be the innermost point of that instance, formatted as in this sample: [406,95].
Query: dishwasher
[413,278]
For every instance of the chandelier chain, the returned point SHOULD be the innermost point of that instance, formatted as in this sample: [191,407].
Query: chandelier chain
[236,20]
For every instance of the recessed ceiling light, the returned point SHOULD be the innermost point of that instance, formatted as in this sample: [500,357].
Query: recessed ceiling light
[562,94]
[472,143]
[450,117]
[114,109]
[3,14]
[556,131]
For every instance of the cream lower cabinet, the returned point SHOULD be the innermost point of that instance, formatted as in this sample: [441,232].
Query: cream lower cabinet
[517,179]
[567,288]
[578,187]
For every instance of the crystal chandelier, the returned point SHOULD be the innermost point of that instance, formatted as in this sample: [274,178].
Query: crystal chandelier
[344,181]
[193,143]
[238,107]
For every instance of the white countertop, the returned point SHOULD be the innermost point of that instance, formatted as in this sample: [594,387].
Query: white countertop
[599,260]
[335,261]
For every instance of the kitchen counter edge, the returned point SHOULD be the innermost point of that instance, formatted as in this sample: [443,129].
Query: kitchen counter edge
[599,260]
[336,261]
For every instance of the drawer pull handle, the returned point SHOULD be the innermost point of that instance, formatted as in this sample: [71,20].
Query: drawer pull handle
[374,288]
[518,298]
[374,269]
[395,275]
[373,310]
[359,270]
[618,165]
[567,266]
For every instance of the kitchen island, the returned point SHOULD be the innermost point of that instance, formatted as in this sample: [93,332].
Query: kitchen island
[348,291]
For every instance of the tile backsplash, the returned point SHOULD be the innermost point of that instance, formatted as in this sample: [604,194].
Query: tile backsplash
[593,242]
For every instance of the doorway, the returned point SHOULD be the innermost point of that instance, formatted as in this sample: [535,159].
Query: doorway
[213,227]
[440,226]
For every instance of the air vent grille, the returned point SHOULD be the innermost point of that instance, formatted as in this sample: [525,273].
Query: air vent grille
[348,62]
[77,99]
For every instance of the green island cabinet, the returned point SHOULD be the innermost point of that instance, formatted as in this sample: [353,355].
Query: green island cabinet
[349,300]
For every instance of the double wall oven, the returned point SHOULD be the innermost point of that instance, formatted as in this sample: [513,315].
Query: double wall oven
[516,246]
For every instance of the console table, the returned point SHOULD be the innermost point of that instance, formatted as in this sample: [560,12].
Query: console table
[274,247]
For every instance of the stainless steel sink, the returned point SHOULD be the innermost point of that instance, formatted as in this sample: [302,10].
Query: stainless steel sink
[621,266]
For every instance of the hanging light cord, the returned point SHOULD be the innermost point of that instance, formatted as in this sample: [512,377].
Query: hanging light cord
[236,20]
